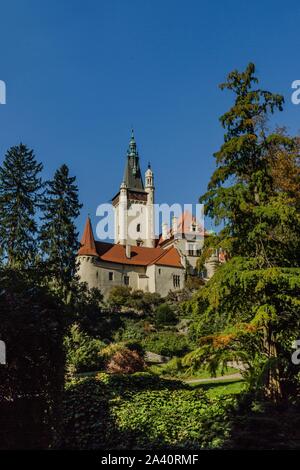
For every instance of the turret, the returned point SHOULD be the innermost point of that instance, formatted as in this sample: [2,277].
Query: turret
[122,236]
[87,255]
[149,188]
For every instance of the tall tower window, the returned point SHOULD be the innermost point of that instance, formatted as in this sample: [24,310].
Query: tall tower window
[138,227]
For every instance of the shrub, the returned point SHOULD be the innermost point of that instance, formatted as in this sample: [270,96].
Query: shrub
[166,343]
[167,418]
[164,315]
[137,300]
[119,296]
[132,329]
[142,411]
[125,361]
[83,352]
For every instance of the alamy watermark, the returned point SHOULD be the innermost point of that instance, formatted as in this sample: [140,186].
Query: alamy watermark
[140,221]
[296,94]
[296,353]
[2,352]
[2,92]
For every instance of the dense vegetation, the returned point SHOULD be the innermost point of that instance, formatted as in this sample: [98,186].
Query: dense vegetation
[84,372]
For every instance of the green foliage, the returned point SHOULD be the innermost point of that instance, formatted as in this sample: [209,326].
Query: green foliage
[32,325]
[166,343]
[87,309]
[83,352]
[164,315]
[136,300]
[183,418]
[20,192]
[142,411]
[131,329]
[250,309]
[58,234]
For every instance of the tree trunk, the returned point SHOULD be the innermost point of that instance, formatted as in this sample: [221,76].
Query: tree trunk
[273,389]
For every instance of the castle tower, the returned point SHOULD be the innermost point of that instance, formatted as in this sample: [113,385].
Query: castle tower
[150,215]
[133,204]
[87,255]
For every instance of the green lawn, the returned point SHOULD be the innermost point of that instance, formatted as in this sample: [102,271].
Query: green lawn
[162,370]
[221,387]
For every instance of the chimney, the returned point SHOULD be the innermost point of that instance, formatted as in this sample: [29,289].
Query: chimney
[128,251]
[164,231]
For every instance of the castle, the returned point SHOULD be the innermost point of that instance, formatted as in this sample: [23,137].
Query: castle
[137,258]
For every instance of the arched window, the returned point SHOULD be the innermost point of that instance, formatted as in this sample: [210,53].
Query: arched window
[138,227]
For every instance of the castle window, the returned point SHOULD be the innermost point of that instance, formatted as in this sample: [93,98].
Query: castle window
[176,280]
[138,227]
[126,280]
[191,251]
[159,271]
[110,276]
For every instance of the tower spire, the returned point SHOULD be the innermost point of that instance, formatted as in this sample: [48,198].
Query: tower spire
[132,174]
[87,242]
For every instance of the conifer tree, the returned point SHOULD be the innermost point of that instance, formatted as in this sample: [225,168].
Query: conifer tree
[20,191]
[58,234]
[250,309]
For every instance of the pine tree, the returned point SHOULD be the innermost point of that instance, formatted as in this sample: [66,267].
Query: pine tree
[250,309]
[58,234]
[20,191]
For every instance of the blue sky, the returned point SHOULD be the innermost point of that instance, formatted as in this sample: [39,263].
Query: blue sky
[80,73]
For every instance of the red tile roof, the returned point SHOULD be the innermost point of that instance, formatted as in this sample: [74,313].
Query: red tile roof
[115,253]
[87,241]
[140,255]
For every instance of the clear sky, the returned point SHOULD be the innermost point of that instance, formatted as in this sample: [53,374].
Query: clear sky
[80,73]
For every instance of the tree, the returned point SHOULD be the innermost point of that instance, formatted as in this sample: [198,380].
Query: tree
[83,351]
[20,192]
[32,325]
[164,315]
[58,234]
[252,303]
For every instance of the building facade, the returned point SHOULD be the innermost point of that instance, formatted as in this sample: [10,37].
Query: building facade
[137,258]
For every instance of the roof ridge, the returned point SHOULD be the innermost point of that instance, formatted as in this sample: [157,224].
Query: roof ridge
[161,255]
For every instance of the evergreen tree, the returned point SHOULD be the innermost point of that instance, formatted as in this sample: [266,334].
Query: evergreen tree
[20,190]
[58,234]
[250,309]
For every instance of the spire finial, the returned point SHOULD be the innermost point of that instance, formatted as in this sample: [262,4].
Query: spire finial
[149,165]
[132,144]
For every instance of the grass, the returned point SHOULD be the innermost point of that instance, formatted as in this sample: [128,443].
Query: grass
[166,371]
[222,387]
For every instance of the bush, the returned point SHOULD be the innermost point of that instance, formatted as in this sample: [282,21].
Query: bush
[119,296]
[83,352]
[166,343]
[142,411]
[167,418]
[164,315]
[132,329]
[137,300]
[125,361]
